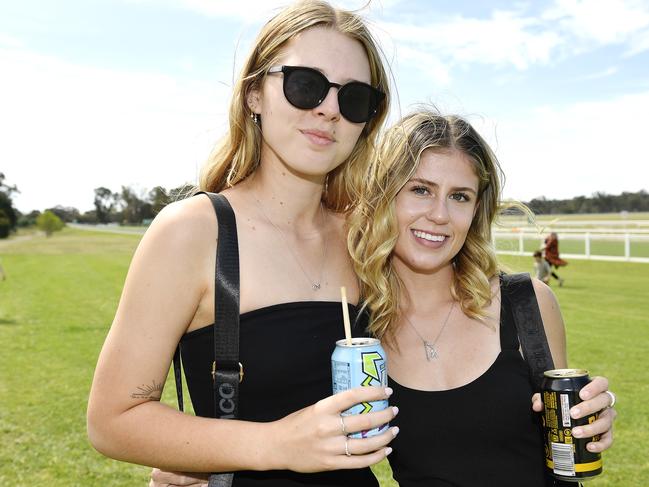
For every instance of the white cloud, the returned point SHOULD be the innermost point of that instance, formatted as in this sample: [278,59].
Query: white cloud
[601,21]
[9,41]
[559,151]
[638,44]
[515,38]
[67,129]
[505,39]
[610,71]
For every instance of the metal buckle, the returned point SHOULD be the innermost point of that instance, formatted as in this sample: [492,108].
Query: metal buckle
[214,372]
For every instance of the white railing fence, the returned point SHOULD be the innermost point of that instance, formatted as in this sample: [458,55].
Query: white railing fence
[624,237]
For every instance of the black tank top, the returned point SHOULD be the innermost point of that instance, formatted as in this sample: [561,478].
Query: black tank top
[481,434]
[286,352]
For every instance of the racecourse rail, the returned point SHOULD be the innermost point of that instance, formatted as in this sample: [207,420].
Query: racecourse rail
[586,234]
[512,240]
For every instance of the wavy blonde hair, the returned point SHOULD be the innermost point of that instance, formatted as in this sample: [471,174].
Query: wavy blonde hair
[373,229]
[237,155]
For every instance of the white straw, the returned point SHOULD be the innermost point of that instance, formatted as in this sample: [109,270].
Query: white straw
[348,328]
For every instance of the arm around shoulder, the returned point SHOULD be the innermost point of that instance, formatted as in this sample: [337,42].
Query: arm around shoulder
[552,322]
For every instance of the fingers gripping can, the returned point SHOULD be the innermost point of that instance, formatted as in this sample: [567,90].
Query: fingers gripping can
[566,456]
[360,364]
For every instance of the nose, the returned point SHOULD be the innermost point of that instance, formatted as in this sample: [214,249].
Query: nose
[329,108]
[438,211]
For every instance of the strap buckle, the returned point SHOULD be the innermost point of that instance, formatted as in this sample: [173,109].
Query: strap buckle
[214,372]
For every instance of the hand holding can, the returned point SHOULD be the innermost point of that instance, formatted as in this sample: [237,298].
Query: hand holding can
[566,456]
[361,363]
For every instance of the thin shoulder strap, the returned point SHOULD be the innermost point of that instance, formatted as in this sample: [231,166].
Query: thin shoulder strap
[517,289]
[226,369]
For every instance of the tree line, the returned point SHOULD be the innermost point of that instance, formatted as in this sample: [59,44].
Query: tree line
[127,206]
[598,203]
[124,207]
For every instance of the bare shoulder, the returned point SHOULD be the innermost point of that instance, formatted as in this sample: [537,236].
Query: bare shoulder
[545,297]
[552,321]
[184,227]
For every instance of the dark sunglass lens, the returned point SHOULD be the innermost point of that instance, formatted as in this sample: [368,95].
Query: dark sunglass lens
[357,102]
[303,88]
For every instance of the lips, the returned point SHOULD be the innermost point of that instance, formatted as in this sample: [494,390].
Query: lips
[429,236]
[319,137]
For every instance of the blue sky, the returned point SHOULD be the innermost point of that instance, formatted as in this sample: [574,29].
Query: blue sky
[135,92]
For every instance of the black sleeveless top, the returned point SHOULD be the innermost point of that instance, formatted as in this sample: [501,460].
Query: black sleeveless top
[481,434]
[286,352]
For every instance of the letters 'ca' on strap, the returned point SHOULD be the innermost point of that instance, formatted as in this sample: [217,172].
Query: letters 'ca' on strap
[519,292]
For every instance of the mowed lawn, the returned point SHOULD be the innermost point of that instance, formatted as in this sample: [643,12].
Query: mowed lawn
[60,295]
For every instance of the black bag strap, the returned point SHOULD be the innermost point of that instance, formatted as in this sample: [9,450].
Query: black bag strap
[226,371]
[518,291]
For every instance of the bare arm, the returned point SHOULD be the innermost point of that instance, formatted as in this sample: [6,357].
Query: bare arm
[127,422]
[593,395]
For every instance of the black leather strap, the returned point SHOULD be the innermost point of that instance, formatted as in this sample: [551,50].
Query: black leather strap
[226,369]
[517,289]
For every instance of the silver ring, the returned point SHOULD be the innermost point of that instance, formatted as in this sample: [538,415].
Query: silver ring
[613,399]
[347,447]
[342,425]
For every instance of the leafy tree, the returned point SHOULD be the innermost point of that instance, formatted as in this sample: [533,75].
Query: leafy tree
[5,224]
[158,198]
[49,223]
[134,208]
[105,201]
[6,204]
[66,213]
[29,219]
[88,217]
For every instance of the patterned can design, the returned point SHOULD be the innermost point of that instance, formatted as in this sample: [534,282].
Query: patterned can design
[565,456]
[360,364]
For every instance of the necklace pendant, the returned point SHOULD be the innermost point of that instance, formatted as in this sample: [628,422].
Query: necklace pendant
[431,351]
[315,286]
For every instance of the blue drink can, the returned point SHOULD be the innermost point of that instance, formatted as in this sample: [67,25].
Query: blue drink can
[360,364]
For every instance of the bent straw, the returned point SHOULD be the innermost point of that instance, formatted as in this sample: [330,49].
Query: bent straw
[348,328]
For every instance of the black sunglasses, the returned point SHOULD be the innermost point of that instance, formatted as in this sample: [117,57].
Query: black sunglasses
[306,88]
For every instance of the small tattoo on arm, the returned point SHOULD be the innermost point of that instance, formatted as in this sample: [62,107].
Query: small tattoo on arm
[151,391]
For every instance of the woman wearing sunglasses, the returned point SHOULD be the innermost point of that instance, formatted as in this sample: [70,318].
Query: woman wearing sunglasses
[420,237]
[303,119]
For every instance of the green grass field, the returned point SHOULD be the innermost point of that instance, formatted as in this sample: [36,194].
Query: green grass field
[60,295]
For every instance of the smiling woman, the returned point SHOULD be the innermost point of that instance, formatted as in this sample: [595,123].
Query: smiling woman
[420,238]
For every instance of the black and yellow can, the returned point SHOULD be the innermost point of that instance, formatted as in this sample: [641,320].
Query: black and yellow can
[567,456]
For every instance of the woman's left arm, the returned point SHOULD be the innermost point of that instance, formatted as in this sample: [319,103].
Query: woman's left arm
[595,395]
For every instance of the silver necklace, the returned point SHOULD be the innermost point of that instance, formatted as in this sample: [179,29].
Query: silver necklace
[429,347]
[315,284]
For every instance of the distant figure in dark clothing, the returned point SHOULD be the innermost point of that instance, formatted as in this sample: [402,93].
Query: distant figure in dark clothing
[551,251]
[542,269]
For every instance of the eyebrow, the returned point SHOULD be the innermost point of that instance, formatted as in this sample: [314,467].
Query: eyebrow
[348,80]
[431,183]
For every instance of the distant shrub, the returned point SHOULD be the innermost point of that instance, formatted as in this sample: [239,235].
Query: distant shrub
[49,222]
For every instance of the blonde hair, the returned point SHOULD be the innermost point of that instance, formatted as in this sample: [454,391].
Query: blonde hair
[237,155]
[373,227]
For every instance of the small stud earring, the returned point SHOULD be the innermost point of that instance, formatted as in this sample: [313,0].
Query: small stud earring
[255,118]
